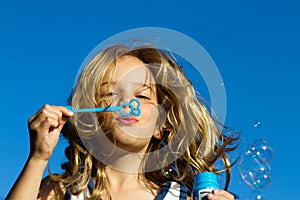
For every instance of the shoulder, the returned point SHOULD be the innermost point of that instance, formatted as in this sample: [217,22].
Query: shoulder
[51,189]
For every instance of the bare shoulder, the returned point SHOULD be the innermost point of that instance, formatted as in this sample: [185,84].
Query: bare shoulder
[188,198]
[51,189]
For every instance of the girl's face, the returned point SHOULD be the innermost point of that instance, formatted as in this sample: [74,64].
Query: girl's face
[131,79]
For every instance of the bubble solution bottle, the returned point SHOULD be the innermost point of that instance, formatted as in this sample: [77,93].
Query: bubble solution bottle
[204,183]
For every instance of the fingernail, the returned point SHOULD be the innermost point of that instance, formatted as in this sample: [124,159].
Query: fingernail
[209,196]
[70,111]
[215,191]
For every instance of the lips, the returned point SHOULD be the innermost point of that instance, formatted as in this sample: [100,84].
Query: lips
[127,120]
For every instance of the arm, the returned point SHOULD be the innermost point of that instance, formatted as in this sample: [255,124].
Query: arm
[28,182]
[44,130]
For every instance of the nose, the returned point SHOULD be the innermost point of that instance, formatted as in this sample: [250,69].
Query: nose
[126,92]
[124,98]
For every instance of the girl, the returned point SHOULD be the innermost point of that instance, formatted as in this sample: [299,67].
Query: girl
[153,155]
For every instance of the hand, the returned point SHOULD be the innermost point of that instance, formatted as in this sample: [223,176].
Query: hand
[44,129]
[220,195]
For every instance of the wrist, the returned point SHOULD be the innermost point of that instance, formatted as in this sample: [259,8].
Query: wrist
[34,159]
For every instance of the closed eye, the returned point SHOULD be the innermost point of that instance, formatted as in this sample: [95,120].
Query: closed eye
[142,97]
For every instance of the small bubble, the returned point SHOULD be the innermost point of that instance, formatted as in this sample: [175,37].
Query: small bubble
[261,149]
[169,173]
[222,84]
[255,195]
[257,124]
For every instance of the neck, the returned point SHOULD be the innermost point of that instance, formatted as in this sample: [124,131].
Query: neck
[128,163]
[122,181]
[124,185]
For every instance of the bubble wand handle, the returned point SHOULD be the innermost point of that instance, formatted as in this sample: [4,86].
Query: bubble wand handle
[204,183]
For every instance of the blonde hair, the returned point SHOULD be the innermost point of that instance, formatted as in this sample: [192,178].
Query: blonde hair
[192,138]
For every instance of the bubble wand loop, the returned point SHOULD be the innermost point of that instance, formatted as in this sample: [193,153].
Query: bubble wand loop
[134,109]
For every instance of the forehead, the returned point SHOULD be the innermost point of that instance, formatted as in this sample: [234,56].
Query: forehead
[129,69]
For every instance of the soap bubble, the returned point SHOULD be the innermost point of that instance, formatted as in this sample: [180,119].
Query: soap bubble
[261,149]
[255,195]
[257,124]
[254,172]
[255,169]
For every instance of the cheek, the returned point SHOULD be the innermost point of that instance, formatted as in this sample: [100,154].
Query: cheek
[150,119]
[149,114]
[105,120]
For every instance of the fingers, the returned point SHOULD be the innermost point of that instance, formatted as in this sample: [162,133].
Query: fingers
[59,110]
[44,129]
[220,195]
[49,116]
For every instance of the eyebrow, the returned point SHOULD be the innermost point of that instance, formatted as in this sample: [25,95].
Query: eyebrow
[111,83]
[146,87]
[150,85]
[143,87]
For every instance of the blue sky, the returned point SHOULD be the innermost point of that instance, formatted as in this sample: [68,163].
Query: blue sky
[255,45]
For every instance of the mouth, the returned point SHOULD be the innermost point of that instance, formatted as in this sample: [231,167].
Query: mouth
[127,120]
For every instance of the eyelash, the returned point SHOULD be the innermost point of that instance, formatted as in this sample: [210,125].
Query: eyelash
[142,97]
[109,94]
[114,93]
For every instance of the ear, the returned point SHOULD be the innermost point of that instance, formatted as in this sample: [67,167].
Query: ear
[157,135]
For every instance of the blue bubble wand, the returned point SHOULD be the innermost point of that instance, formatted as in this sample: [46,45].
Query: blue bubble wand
[133,105]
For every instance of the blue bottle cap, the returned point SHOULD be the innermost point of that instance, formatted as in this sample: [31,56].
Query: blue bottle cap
[206,180]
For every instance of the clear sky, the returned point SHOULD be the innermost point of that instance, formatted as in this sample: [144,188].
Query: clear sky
[255,45]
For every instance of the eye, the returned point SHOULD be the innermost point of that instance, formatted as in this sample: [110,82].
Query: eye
[109,94]
[142,97]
